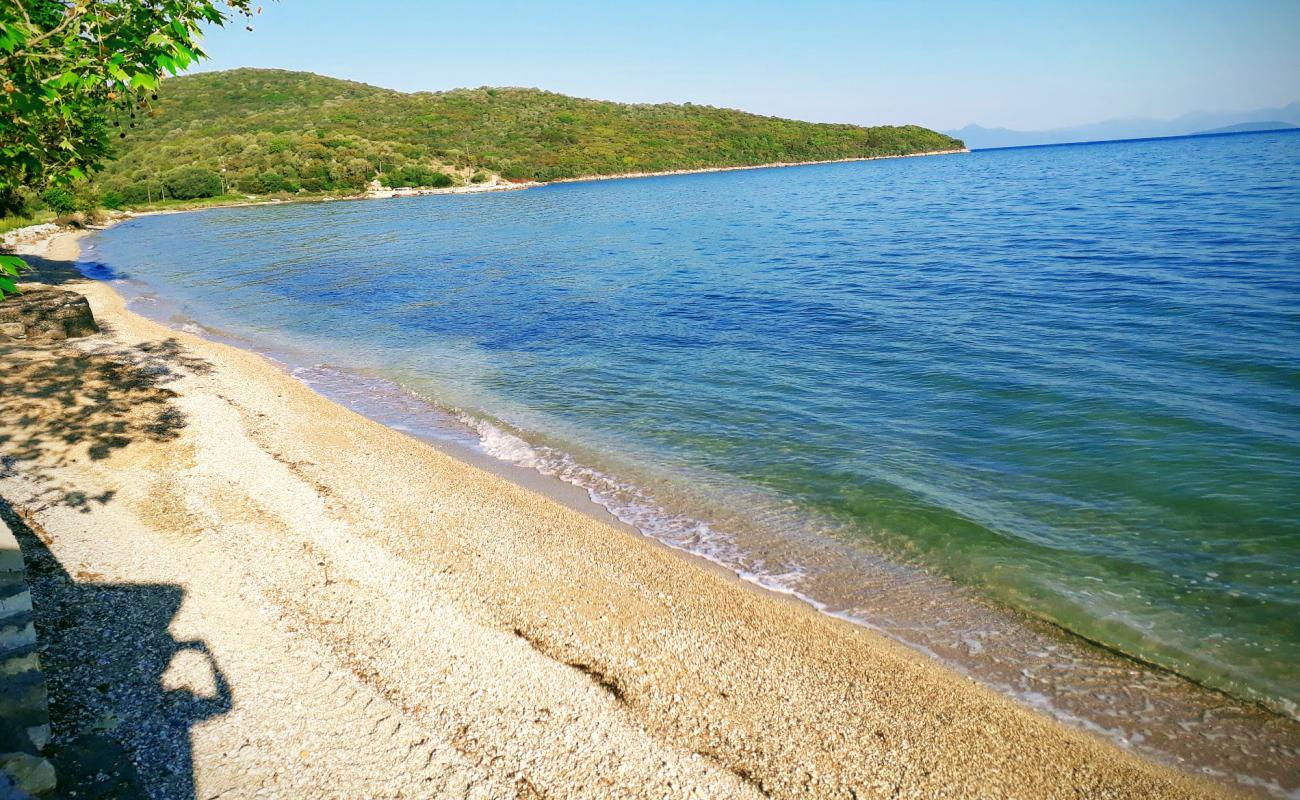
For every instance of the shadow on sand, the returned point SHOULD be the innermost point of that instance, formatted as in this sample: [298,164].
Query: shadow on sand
[109,657]
[124,692]
[51,272]
[63,402]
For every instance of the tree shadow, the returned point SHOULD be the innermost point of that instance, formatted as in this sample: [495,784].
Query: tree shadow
[55,272]
[121,728]
[69,401]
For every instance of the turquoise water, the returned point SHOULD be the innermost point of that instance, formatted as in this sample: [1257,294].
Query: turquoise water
[1065,379]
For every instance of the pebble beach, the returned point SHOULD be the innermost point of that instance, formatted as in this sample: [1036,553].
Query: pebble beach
[254,591]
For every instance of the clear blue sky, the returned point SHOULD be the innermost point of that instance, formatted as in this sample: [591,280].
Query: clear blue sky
[1023,65]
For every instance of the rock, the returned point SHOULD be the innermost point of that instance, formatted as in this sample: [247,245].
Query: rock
[31,774]
[46,315]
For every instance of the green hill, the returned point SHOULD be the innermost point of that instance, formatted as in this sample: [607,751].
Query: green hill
[276,131]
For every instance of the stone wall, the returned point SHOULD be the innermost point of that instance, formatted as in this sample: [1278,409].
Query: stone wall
[24,710]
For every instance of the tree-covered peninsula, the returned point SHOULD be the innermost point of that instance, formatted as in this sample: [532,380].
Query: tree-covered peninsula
[254,131]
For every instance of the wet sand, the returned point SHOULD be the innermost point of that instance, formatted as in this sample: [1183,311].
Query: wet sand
[330,608]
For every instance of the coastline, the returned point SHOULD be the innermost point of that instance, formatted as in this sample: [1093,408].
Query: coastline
[772,165]
[679,662]
[382,195]
[388,194]
[485,188]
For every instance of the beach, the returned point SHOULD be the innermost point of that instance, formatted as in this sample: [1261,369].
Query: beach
[253,589]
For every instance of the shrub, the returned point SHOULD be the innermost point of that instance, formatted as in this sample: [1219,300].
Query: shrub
[516,172]
[440,180]
[142,192]
[59,199]
[353,174]
[112,199]
[417,175]
[86,198]
[189,183]
[265,183]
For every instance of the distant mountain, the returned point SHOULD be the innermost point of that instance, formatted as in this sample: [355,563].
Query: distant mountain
[977,137]
[1248,127]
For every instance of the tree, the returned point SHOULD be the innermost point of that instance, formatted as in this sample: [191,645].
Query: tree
[60,199]
[68,66]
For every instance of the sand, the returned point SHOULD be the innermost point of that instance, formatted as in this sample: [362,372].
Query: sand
[254,591]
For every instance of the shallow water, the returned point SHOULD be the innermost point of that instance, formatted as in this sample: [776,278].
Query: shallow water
[969,400]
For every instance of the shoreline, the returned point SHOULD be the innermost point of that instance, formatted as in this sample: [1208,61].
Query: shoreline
[771,165]
[507,186]
[590,609]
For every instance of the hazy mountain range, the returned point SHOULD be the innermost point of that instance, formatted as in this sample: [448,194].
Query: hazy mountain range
[977,137]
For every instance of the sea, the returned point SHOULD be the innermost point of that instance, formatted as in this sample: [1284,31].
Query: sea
[1032,411]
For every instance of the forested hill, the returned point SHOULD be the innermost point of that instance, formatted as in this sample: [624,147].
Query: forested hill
[277,131]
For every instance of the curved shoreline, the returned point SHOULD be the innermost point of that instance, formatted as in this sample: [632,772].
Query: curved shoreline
[485,188]
[771,165]
[504,187]
[775,697]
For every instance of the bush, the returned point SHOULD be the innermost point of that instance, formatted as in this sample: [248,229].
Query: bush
[417,175]
[59,199]
[516,172]
[403,176]
[354,174]
[266,183]
[112,199]
[142,192]
[190,183]
[479,177]
[86,198]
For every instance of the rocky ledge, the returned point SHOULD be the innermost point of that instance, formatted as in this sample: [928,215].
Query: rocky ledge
[45,315]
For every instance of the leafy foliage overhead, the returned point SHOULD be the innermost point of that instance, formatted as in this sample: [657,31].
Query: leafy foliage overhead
[64,64]
[270,130]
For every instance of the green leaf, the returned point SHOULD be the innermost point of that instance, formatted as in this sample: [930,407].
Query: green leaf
[145,80]
[13,265]
[118,72]
[10,37]
[8,286]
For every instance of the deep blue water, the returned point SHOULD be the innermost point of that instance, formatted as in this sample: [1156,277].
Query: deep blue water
[1068,378]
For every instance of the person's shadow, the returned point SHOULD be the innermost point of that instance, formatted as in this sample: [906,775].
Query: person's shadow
[108,657]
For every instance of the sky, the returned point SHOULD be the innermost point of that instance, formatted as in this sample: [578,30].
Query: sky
[1028,65]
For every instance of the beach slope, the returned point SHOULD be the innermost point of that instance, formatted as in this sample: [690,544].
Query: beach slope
[251,589]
